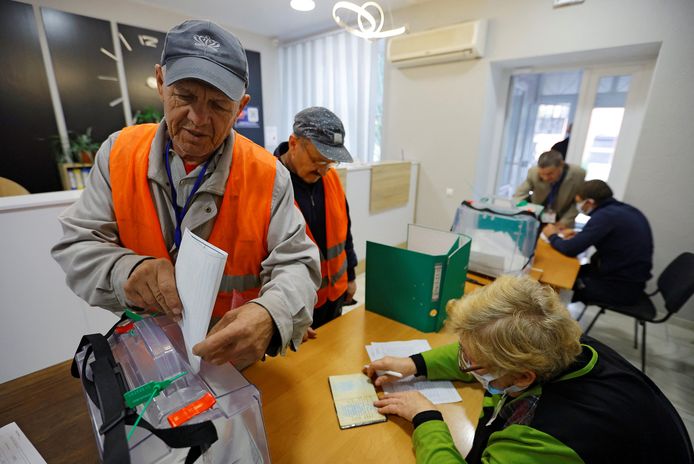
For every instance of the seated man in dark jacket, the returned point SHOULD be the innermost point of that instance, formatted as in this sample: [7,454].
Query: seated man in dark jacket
[618,271]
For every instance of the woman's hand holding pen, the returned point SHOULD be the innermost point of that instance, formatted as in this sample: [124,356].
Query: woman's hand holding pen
[404,366]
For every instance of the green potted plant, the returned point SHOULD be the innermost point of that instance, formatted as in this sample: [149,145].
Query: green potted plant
[83,147]
[148,115]
[75,163]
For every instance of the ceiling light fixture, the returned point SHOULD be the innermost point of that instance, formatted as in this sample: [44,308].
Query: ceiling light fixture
[369,27]
[302,5]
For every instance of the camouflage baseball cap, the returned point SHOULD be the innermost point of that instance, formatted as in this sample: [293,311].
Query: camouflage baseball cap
[325,130]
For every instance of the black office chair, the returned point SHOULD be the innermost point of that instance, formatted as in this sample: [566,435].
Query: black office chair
[676,284]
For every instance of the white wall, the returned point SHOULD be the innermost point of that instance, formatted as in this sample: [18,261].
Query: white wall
[446,117]
[135,14]
[42,320]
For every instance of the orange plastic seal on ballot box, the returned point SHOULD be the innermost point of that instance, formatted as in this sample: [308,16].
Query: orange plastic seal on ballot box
[191,410]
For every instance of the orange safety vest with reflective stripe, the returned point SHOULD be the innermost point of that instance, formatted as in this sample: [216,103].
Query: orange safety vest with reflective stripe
[333,266]
[241,224]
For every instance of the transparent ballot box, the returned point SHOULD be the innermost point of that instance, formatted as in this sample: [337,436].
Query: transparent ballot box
[503,238]
[152,350]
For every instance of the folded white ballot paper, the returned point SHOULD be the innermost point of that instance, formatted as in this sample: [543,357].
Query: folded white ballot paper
[436,391]
[199,269]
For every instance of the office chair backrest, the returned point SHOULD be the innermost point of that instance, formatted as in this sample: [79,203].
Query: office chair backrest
[9,188]
[676,282]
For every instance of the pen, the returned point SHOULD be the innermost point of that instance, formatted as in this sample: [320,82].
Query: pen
[391,373]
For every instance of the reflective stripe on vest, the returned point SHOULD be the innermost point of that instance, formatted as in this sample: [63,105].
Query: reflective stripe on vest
[241,224]
[335,277]
[336,250]
[239,283]
[333,265]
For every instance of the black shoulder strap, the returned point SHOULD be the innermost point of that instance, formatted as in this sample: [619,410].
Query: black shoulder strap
[109,388]
[106,391]
[84,342]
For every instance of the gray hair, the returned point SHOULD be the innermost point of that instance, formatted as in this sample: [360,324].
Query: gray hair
[550,159]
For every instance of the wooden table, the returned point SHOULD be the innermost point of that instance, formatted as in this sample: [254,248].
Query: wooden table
[300,420]
[554,268]
[49,407]
[549,267]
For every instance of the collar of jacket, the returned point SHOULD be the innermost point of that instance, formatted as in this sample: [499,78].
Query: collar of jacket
[217,178]
[583,365]
[609,201]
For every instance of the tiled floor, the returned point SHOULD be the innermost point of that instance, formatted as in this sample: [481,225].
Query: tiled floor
[669,356]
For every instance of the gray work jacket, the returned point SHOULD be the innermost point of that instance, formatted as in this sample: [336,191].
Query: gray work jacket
[97,265]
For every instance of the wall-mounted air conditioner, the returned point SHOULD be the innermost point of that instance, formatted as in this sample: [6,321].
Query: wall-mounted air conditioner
[463,41]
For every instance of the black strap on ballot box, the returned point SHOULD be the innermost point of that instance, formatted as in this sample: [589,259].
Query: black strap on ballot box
[106,389]
[469,204]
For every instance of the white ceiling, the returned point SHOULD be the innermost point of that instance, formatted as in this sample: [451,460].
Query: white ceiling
[270,18]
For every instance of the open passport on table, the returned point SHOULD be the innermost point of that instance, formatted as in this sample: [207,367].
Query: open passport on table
[353,395]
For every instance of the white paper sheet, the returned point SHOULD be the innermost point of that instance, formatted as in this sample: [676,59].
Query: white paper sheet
[430,241]
[377,350]
[436,391]
[15,447]
[199,269]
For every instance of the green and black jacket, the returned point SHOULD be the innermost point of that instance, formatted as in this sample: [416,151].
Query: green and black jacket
[600,410]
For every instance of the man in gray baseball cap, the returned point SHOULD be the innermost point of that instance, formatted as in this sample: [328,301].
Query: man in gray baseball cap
[315,147]
[192,171]
[205,51]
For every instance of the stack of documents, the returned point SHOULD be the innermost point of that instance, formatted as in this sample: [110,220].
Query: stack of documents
[436,391]
[199,269]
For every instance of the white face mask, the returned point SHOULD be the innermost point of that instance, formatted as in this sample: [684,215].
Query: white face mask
[486,381]
[581,208]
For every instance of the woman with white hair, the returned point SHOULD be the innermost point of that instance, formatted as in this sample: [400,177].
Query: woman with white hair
[552,396]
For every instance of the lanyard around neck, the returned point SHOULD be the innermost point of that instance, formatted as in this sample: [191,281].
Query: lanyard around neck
[181,212]
[549,202]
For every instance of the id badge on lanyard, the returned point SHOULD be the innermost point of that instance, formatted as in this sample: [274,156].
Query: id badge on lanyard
[548,217]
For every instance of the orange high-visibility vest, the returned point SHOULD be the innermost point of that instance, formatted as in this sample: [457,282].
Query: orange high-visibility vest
[241,224]
[333,266]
